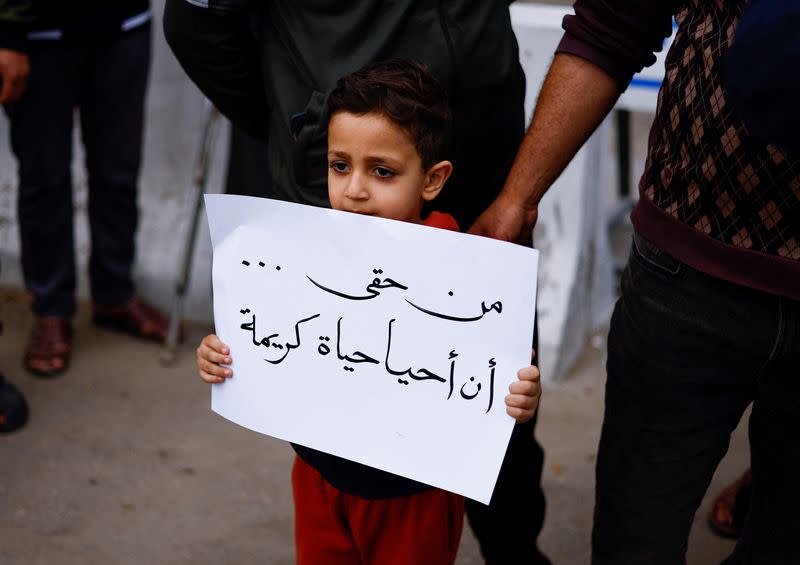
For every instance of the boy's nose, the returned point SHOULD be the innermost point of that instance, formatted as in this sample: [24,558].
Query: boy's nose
[357,187]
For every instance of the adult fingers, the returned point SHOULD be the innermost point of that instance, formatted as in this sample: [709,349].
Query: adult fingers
[17,88]
[5,92]
[14,70]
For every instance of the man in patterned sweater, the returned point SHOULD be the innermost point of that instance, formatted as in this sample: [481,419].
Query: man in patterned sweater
[709,317]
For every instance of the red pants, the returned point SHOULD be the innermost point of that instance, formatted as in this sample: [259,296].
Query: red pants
[333,528]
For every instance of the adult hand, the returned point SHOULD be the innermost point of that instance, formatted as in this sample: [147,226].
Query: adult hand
[506,219]
[14,71]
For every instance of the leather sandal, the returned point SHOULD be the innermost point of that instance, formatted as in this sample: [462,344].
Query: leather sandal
[49,347]
[135,317]
[730,508]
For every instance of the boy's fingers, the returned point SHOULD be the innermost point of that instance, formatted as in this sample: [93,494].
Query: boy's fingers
[529,388]
[520,415]
[214,369]
[529,373]
[209,354]
[520,401]
[215,343]
[211,379]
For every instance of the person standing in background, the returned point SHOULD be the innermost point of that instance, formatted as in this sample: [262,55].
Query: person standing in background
[93,56]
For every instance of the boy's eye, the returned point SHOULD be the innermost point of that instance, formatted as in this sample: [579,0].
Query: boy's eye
[339,167]
[383,172]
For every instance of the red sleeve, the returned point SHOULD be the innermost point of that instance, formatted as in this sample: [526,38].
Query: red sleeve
[441,220]
[619,36]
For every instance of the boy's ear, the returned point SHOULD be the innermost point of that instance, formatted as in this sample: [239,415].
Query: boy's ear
[435,178]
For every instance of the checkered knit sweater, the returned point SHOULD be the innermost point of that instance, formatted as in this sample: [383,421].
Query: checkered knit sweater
[712,195]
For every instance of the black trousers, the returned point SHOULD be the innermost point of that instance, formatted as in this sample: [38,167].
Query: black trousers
[507,529]
[687,353]
[107,82]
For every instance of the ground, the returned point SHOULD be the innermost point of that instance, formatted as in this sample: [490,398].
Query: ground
[124,462]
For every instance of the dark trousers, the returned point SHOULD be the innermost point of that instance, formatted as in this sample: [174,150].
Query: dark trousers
[508,528]
[687,353]
[107,82]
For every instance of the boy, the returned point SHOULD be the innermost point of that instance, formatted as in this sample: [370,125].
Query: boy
[386,148]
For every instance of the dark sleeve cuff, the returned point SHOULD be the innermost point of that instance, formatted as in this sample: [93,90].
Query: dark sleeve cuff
[619,36]
[13,37]
[612,66]
[221,7]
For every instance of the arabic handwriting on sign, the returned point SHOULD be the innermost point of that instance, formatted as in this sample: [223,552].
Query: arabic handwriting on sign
[496,307]
[356,357]
[470,396]
[267,341]
[469,390]
[419,375]
[467,396]
[373,289]
[452,358]
[492,366]
[261,264]
[251,327]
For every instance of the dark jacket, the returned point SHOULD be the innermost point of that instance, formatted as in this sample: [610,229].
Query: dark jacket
[23,23]
[268,65]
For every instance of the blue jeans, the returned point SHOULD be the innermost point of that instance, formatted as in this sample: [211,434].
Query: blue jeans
[687,353]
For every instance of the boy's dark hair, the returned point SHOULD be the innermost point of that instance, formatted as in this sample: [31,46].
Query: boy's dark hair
[406,93]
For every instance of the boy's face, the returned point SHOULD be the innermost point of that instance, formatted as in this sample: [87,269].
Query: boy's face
[374,168]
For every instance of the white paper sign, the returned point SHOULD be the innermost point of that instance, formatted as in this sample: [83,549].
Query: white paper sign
[383,342]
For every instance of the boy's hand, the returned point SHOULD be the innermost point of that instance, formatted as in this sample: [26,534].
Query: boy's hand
[521,404]
[211,355]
